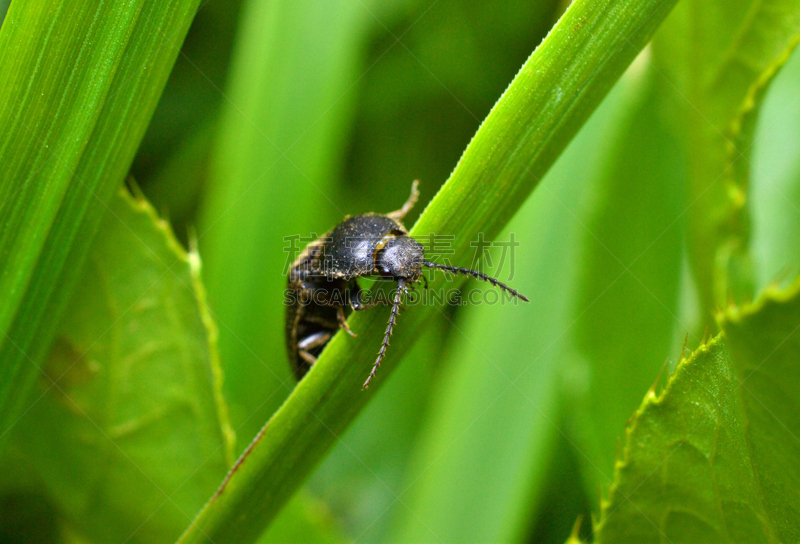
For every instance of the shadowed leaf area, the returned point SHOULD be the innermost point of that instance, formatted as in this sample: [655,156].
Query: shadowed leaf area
[718,58]
[130,424]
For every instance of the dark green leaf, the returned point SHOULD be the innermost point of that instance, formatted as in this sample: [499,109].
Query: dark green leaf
[129,424]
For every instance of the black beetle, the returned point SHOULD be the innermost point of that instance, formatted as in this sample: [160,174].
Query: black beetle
[322,287]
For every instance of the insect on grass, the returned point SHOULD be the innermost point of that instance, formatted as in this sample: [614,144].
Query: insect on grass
[323,287]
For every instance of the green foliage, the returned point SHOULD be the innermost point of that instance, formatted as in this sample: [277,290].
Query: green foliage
[582,57]
[493,423]
[721,56]
[129,422]
[278,143]
[711,459]
[632,270]
[75,102]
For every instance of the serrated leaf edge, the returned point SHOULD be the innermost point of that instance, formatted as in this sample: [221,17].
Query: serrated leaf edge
[139,202]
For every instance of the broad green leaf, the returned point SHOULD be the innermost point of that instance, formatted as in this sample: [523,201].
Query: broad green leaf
[80,81]
[271,177]
[496,410]
[714,457]
[720,56]
[129,432]
[627,308]
[764,342]
[552,96]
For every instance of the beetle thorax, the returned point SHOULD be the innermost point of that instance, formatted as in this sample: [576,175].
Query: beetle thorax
[401,257]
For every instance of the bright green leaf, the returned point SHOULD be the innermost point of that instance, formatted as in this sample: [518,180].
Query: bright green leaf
[764,342]
[546,104]
[714,457]
[129,424]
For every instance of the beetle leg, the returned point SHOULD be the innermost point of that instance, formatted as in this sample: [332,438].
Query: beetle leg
[307,357]
[314,340]
[425,281]
[343,321]
[310,342]
[412,199]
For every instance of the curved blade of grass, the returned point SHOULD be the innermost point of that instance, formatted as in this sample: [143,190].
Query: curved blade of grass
[496,410]
[713,458]
[721,56]
[80,81]
[361,474]
[552,96]
[408,125]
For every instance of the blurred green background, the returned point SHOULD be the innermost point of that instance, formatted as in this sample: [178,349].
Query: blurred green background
[503,423]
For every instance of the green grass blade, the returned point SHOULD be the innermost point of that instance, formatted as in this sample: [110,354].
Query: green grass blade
[129,423]
[549,100]
[496,408]
[721,56]
[80,81]
[362,473]
[713,458]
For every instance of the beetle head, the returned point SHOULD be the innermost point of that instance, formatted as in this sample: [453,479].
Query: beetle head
[401,257]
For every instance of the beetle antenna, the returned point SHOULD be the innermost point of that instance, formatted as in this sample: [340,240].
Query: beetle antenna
[401,284]
[478,276]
